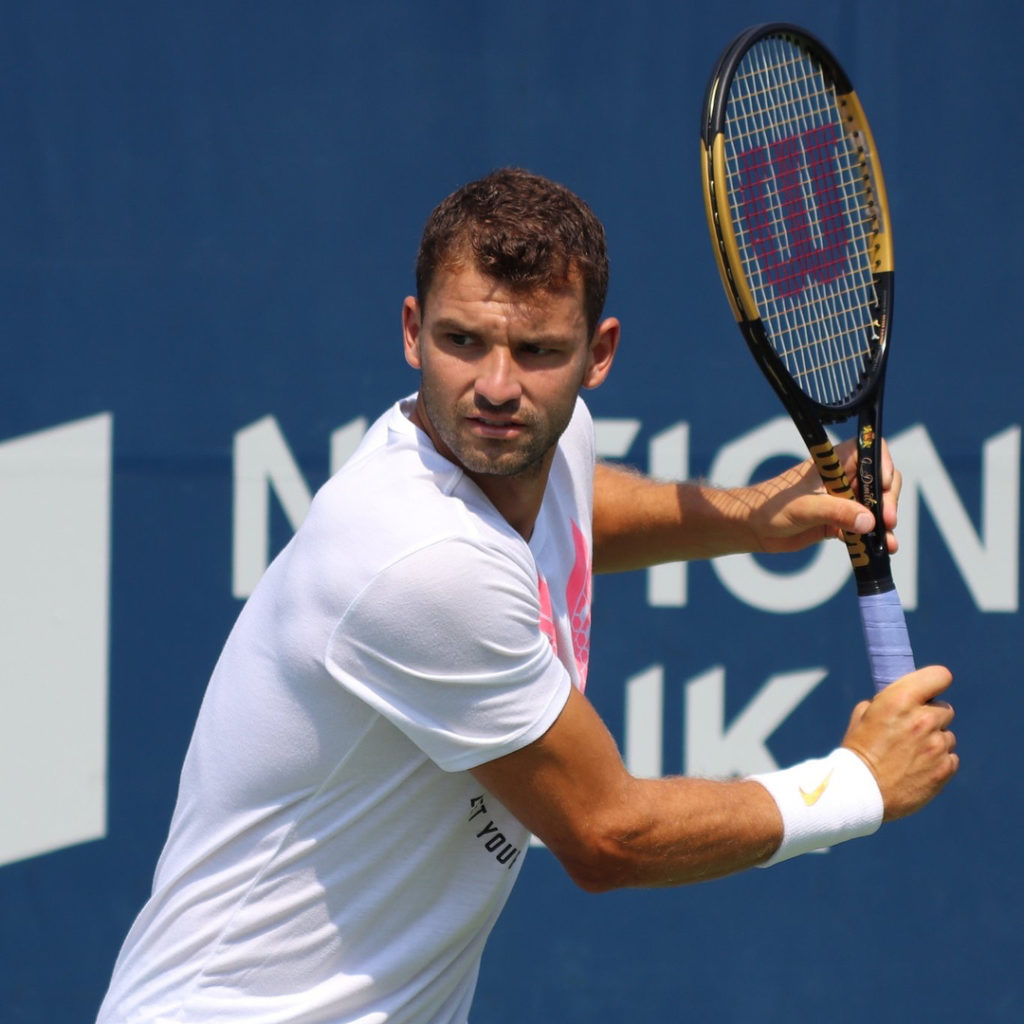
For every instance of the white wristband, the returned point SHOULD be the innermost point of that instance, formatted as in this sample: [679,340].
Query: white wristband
[823,802]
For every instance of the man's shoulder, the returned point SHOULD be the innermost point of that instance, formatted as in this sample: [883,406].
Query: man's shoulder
[403,491]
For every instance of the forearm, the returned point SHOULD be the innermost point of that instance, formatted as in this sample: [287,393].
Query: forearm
[640,522]
[611,830]
[677,831]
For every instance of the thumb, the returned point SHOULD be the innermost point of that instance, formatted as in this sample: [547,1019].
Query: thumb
[923,685]
[850,516]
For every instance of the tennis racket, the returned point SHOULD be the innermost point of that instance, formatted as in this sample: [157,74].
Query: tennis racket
[800,228]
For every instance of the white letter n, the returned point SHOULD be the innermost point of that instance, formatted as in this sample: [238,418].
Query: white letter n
[262,460]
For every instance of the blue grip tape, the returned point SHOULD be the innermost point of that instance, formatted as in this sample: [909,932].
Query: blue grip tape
[885,633]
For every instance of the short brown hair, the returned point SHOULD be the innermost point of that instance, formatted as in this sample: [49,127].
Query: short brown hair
[522,230]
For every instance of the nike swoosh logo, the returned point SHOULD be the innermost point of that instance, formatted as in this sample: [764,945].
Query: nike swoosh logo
[815,794]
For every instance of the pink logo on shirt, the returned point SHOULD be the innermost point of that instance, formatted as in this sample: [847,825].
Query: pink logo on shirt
[578,591]
[577,598]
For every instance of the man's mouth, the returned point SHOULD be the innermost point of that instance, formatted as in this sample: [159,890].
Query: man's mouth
[495,426]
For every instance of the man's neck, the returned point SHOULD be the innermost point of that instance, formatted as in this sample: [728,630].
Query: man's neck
[517,498]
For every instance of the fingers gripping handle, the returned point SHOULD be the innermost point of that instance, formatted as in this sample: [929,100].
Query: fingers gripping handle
[886,637]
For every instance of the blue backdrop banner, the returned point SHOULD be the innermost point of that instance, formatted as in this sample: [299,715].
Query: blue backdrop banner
[210,213]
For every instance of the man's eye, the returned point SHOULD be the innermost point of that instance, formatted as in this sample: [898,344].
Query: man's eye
[460,340]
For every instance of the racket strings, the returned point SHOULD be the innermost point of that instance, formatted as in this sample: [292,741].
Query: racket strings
[804,218]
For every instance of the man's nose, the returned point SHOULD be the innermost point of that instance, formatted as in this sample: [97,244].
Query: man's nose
[497,383]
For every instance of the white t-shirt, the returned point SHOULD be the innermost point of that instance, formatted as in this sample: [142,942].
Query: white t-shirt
[331,858]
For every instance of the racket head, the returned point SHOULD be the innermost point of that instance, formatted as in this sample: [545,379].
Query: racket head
[799,220]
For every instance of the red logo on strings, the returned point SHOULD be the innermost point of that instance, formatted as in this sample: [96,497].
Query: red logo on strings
[780,183]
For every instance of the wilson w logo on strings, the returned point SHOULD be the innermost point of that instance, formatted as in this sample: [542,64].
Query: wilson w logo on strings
[790,200]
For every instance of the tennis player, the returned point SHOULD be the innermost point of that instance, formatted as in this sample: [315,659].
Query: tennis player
[400,705]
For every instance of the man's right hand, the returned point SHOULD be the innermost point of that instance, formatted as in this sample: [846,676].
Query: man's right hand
[905,739]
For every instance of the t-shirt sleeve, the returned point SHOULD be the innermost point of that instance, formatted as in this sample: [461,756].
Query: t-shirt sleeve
[445,643]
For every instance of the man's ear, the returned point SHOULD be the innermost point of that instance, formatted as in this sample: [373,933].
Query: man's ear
[603,346]
[412,321]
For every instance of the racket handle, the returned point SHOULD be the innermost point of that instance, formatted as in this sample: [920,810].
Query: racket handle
[886,637]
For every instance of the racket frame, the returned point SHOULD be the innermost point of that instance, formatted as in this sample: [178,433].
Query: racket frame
[868,553]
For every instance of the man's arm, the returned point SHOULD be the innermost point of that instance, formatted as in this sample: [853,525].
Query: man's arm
[640,522]
[610,830]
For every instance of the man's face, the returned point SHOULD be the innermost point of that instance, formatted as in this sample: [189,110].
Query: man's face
[500,371]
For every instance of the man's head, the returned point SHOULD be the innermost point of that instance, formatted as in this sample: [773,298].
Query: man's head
[506,331]
[521,230]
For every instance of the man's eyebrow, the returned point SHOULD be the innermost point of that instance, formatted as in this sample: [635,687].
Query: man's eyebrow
[448,323]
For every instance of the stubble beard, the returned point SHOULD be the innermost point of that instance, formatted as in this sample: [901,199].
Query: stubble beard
[523,457]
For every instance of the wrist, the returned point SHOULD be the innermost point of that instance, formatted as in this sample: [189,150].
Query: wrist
[822,802]
[719,519]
